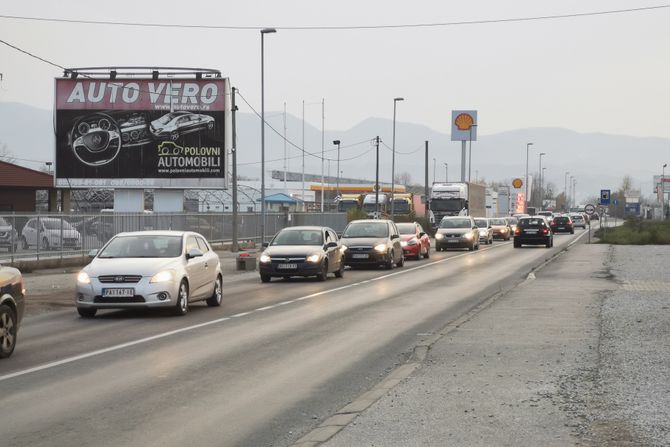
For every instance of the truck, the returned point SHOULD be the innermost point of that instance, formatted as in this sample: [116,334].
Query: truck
[348,201]
[403,205]
[370,205]
[457,199]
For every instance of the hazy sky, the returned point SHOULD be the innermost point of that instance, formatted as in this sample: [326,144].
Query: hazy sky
[604,74]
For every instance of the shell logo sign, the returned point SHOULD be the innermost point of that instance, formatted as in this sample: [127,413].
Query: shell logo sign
[464,125]
[517,183]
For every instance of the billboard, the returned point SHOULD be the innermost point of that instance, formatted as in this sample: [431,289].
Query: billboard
[464,125]
[142,133]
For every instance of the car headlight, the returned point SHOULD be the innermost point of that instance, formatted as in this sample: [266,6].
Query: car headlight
[381,248]
[165,275]
[412,242]
[468,235]
[439,236]
[314,258]
[403,243]
[83,278]
[265,258]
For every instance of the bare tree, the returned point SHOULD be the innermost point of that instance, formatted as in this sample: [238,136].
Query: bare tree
[403,178]
[6,154]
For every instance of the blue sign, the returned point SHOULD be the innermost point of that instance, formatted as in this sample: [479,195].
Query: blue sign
[605,196]
[632,209]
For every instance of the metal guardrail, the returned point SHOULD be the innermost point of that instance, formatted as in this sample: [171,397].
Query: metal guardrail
[42,236]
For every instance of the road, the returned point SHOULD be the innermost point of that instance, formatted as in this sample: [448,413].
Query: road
[263,369]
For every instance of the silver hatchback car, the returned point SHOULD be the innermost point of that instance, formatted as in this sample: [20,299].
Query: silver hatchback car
[147,269]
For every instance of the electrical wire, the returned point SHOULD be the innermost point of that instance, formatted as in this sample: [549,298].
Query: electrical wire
[341,27]
[402,153]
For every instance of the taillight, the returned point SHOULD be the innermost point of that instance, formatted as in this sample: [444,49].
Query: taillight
[545,231]
[517,231]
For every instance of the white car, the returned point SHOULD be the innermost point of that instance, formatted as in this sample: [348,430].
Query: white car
[149,269]
[48,233]
[175,124]
[485,230]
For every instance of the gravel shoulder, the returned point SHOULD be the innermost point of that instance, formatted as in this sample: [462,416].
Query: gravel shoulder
[576,356]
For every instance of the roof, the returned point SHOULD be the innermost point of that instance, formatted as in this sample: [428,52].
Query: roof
[280,198]
[16,176]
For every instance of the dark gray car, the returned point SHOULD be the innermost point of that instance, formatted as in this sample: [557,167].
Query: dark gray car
[372,243]
[11,308]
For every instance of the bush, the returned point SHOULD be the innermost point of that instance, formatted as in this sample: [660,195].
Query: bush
[636,232]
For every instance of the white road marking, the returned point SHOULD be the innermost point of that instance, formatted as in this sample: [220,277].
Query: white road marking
[220,320]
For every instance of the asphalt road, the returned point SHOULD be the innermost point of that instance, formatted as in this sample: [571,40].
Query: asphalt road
[263,369]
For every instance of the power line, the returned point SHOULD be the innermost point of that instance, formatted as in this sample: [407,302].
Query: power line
[340,27]
[402,153]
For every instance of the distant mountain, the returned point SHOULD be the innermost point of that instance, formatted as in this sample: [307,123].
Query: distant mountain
[596,160]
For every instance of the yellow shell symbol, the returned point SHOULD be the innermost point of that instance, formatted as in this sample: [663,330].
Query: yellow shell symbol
[464,121]
[517,183]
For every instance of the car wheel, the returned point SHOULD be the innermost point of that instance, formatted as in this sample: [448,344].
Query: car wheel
[174,135]
[210,125]
[572,231]
[471,247]
[181,307]
[265,278]
[323,275]
[86,312]
[16,248]
[45,244]
[340,272]
[389,262]
[401,262]
[217,296]
[517,244]
[7,331]
[24,243]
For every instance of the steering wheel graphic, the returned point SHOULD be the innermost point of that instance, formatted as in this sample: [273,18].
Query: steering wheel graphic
[96,139]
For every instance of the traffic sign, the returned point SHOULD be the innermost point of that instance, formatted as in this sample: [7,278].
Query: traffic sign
[589,209]
[605,196]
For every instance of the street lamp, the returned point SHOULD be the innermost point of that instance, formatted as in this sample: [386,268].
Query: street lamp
[337,143]
[539,173]
[434,164]
[542,188]
[395,102]
[663,209]
[470,154]
[525,199]
[264,31]
[446,172]
[572,191]
[565,191]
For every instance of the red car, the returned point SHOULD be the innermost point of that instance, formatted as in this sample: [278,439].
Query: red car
[415,242]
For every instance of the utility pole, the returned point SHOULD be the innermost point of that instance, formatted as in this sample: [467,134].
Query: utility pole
[285,159]
[446,172]
[234,245]
[427,202]
[434,165]
[303,155]
[377,180]
[565,192]
[525,199]
[323,123]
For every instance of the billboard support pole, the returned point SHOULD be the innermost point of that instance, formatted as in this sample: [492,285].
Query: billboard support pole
[463,149]
[377,180]
[427,207]
[234,246]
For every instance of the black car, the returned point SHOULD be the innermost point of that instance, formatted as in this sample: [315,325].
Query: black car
[302,251]
[372,243]
[533,231]
[562,224]
[11,308]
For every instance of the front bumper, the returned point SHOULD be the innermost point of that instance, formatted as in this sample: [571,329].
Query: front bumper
[500,234]
[146,294]
[371,257]
[453,242]
[412,250]
[302,269]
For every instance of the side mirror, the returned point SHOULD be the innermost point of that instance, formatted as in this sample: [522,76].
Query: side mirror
[92,253]
[395,236]
[422,234]
[331,244]
[475,227]
[265,244]
[193,253]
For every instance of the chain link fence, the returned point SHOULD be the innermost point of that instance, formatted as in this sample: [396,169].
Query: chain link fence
[41,236]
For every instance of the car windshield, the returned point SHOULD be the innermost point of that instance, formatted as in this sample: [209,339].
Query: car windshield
[142,246]
[3,222]
[576,217]
[400,206]
[455,223]
[513,220]
[447,204]
[498,222]
[561,219]
[167,118]
[406,228]
[298,237]
[366,229]
[531,222]
[481,223]
[55,224]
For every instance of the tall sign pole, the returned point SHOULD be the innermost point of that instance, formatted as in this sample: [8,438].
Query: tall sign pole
[427,207]
[377,181]
[234,245]
[464,129]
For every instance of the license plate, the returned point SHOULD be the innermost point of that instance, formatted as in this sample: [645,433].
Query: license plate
[115,293]
[360,256]
[531,231]
[453,241]
[287,266]
[561,228]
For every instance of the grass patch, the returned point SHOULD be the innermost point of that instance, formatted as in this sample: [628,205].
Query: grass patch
[636,232]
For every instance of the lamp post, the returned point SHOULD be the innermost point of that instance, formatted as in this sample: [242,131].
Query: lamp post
[337,143]
[663,209]
[525,199]
[539,173]
[446,172]
[395,102]
[572,188]
[565,191]
[264,31]
[542,193]
[470,153]
[434,165]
